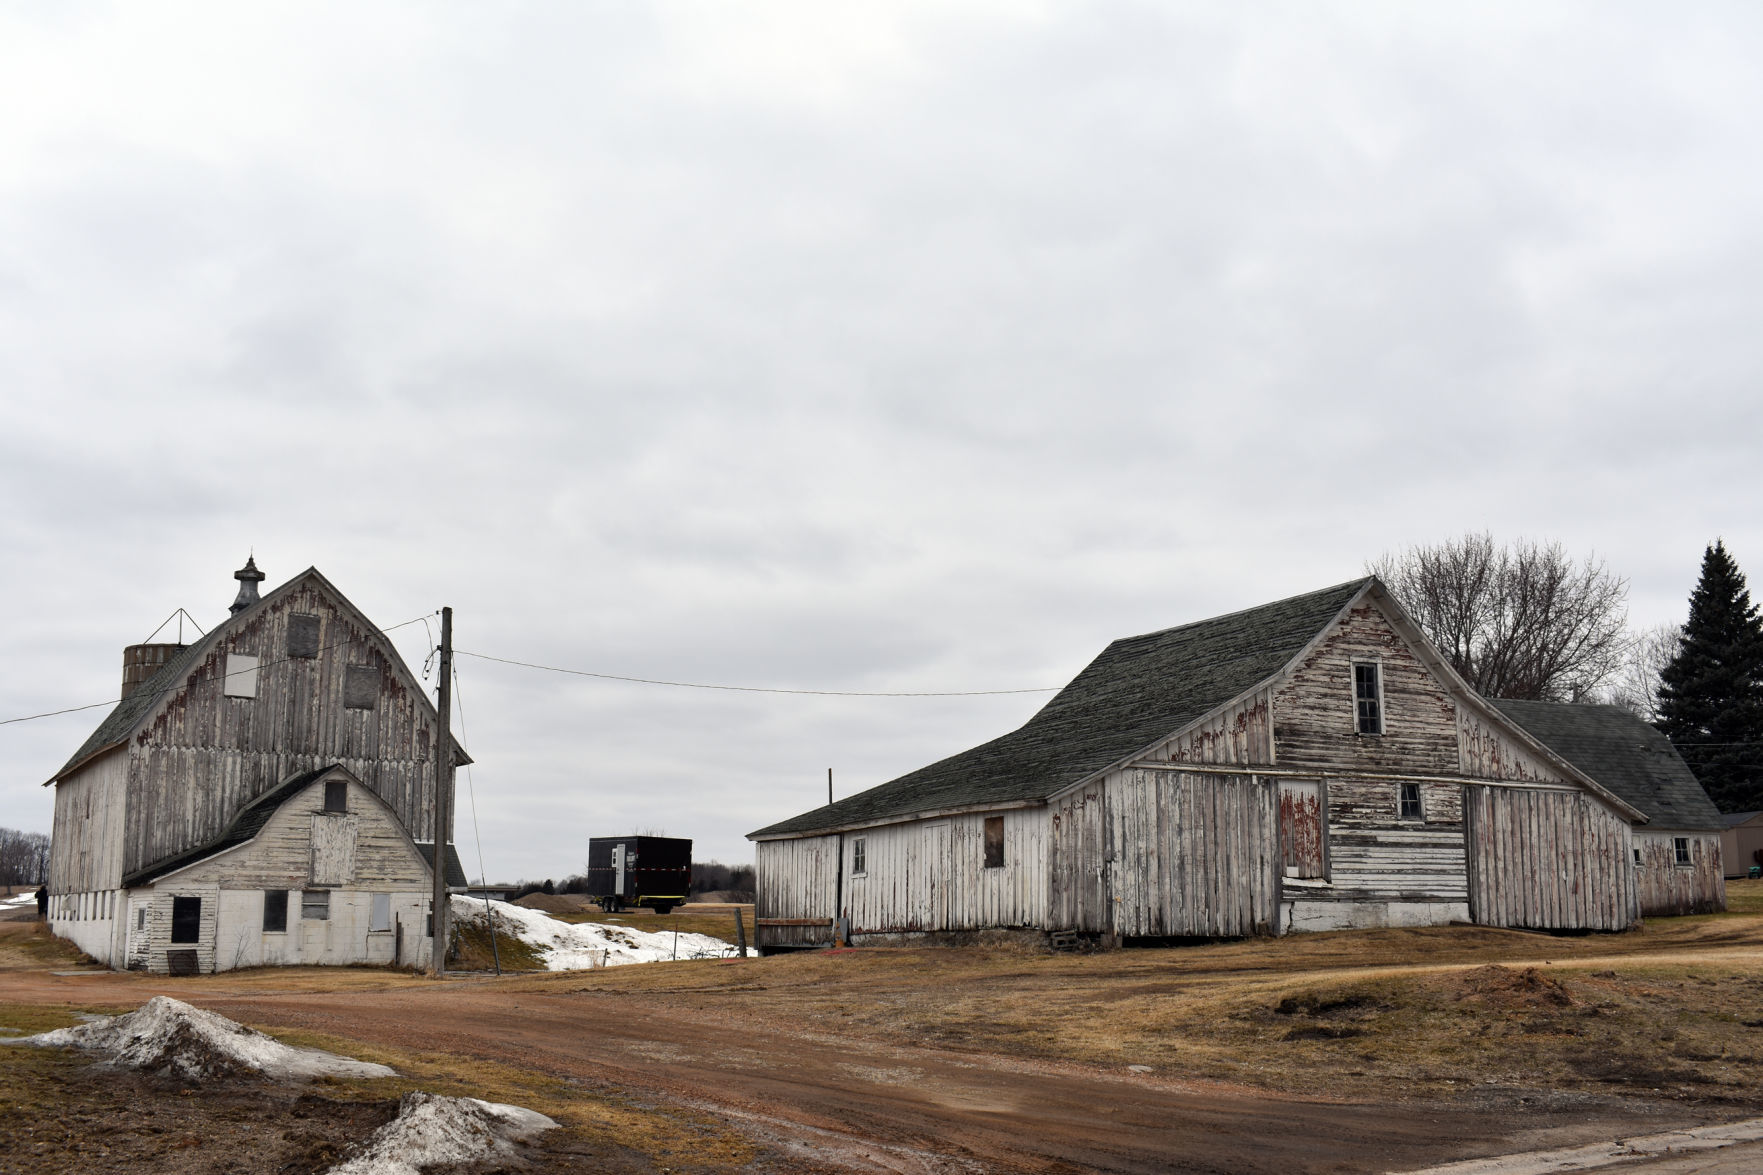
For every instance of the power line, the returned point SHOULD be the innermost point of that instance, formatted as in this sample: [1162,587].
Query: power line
[112,702]
[760,689]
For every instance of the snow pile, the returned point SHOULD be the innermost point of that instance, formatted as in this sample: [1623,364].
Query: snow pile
[28,898]
[576,947]
[171,1038]
[430,1130]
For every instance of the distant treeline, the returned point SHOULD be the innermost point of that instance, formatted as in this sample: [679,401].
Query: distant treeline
[707,877]
[24,857]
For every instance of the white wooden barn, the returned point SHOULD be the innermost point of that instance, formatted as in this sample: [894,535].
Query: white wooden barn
[254,798]
[1309,764]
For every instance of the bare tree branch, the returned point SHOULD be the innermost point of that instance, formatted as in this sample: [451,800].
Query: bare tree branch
[1520,621]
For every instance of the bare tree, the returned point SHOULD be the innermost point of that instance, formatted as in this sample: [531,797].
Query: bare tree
[1636,686]
[24,857]
[1519,621]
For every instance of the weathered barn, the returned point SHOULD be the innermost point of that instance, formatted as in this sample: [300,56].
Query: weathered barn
[254,797]
[1677,853]
[1309,764]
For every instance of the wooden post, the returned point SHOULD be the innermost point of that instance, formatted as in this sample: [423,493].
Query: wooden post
[443,798]
[829,786]
[740,932]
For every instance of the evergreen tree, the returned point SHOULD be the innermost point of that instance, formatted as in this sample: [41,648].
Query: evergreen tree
[1711,693]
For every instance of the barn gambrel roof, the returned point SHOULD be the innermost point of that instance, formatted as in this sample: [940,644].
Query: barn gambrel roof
[1138,690]
[1623,753]
[138,708]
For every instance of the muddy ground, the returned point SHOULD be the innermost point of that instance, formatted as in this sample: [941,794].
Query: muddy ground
[1346,1053]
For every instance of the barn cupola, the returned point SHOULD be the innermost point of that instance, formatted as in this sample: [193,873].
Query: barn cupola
[249,577]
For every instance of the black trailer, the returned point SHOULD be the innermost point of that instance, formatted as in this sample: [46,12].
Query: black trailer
[652,871]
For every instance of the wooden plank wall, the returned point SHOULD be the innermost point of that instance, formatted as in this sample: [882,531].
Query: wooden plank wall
[1302,842]
[1667,888]
[1241,736]
[1315,722]
[1489,752]
[1077,852]
[931,875]
[794,880]
[1191,854]
[1548,860]
[88,830]
[1374,856]
[204,756]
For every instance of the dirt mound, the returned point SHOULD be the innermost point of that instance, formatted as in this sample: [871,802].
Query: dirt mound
[1502,987]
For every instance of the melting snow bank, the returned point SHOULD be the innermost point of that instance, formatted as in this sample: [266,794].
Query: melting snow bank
[576,947]
[170,1037]
[431,1130]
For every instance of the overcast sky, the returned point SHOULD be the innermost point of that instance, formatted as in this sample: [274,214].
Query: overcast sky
[845,347]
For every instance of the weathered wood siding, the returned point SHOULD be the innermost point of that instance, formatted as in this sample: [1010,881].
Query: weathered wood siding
[202,756]
[1189,854]
[928,875]
[1376,856]
[1549,860]
[1303,841]
[1668,888]
[1242,735]
[795,891]
[88,829]
[1491,752]
[1315,722]
[1077,855]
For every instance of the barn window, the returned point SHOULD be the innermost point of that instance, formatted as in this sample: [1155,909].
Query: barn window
[1368,696]
[1637,856]
[361,687]
[382,914]
[186,919]
[859,857]
[994,842]
[275,911]
[336,795]
[1410,803]
[1681,846]
[241,676]
[315,904]
[141,918]
[302,636]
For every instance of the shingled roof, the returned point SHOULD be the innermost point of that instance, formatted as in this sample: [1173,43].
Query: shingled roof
[1622,753]
[121,721]
[251,820]
[1140,689]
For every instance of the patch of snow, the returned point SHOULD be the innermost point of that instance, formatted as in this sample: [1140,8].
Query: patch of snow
[28,898]
[430,1130]
[580,946]
[170,1037]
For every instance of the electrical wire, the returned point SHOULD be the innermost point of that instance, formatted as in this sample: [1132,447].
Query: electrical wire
[760,689]
[112,702]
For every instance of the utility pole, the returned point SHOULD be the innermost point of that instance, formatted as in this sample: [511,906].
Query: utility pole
[443,798]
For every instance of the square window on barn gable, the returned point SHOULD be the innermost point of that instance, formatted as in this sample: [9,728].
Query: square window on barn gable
[336,796]
[1368,696]
[361,687]
[302,635]
[241,676]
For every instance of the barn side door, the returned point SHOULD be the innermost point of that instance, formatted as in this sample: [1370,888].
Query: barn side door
[1302,844]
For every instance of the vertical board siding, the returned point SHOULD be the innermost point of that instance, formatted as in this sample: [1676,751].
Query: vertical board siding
[1314,720]
[1240,736]
[795,879]
[88,831]
[1301,839]
[930,875]
[1490,752]
[1549,860]
[203,756]
[1189,854]
[1668,888]
[1076,853]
